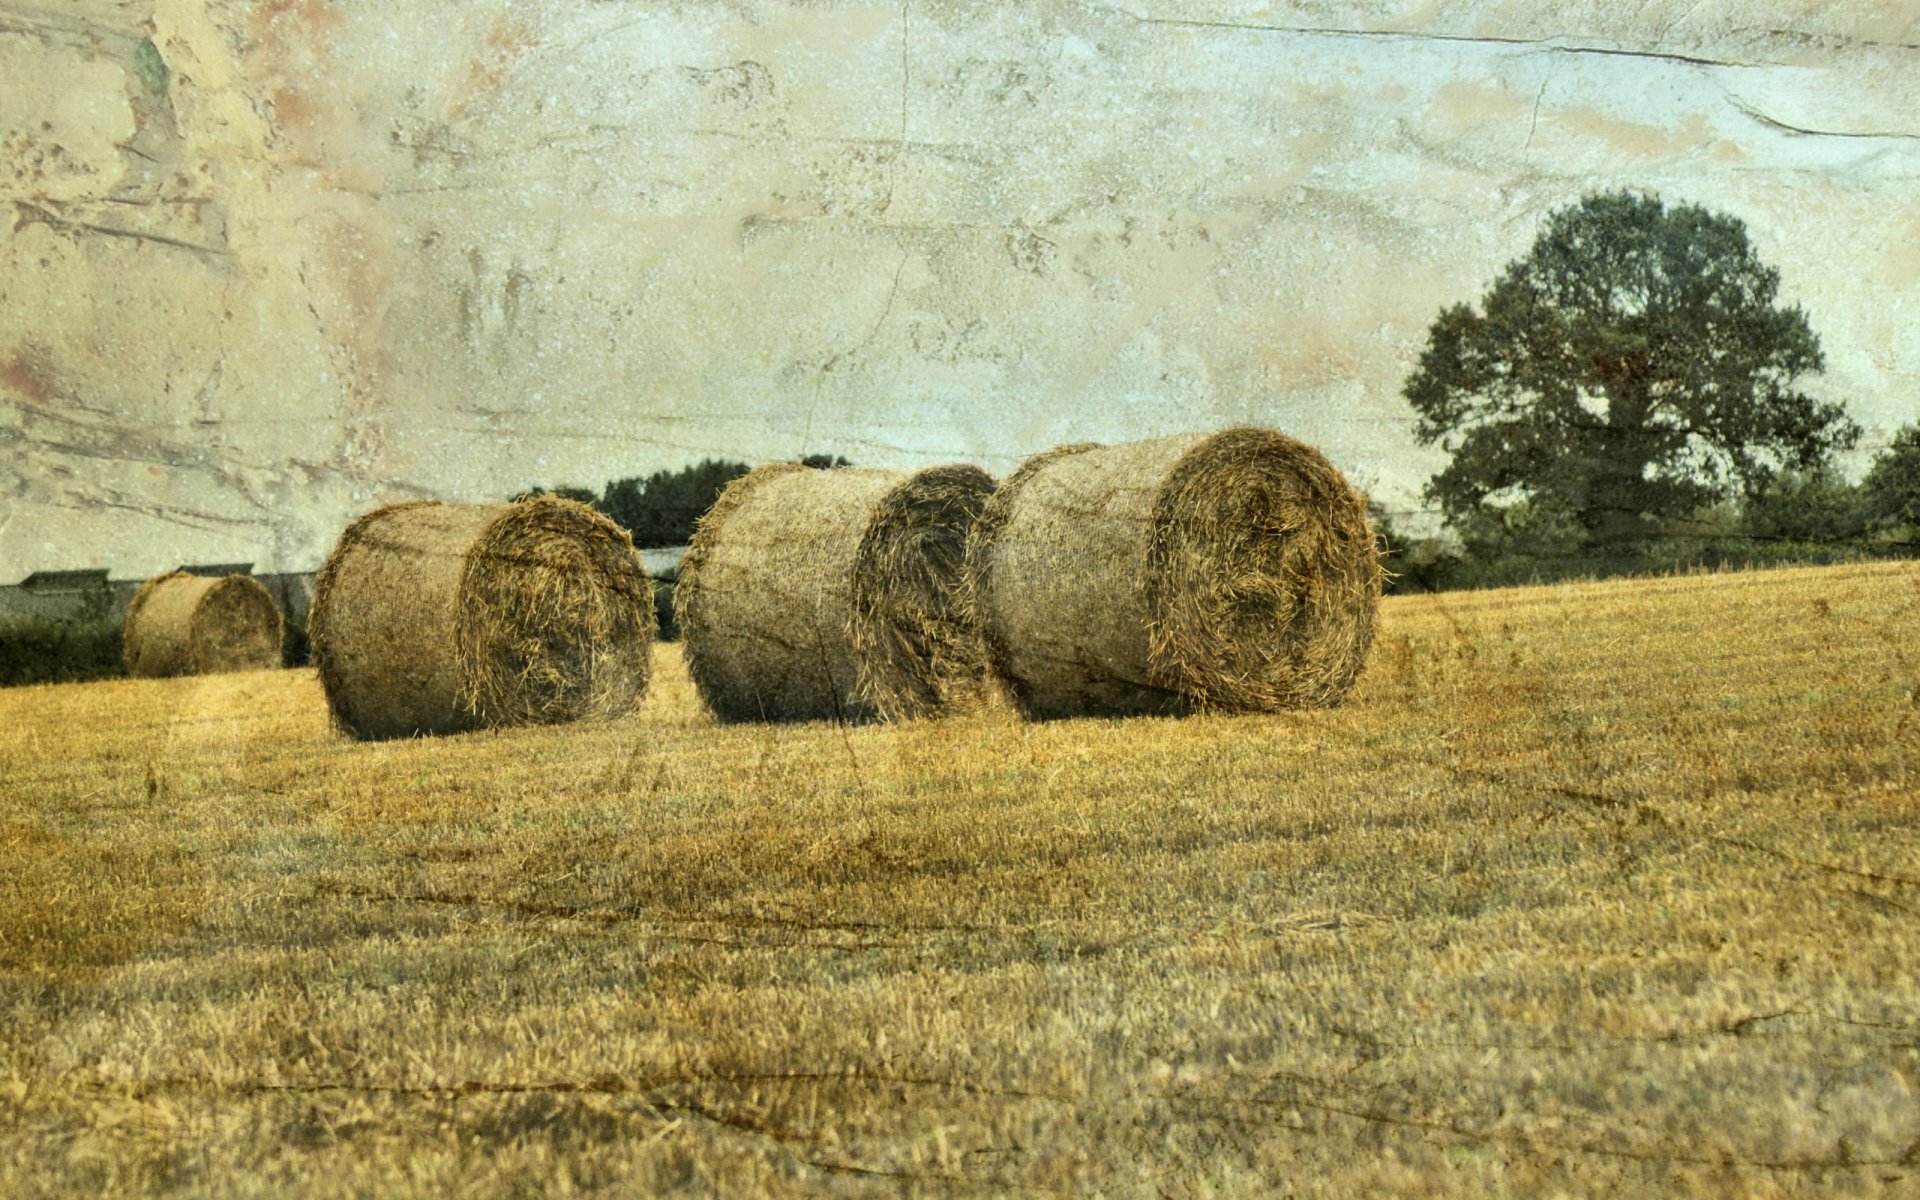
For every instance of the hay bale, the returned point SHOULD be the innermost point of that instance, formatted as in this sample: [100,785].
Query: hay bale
[1234,570]
[810,594]
[183,624]
[442,618]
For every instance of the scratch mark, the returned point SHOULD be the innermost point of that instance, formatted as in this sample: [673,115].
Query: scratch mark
[30,213]
[1773,122]
[1391,35]
[832,363]
[39,21]
[185,518]
[1534,121]
[575,47]
[1826,41]
[900,146]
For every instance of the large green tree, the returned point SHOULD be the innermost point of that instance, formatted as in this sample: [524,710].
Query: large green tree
[1632,367]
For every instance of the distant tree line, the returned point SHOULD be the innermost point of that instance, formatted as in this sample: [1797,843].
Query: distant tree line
[659,509]
[663,508]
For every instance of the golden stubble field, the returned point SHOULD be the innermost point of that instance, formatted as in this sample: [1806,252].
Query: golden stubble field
[1601,889]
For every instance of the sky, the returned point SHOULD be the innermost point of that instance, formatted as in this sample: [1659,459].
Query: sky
[295,261]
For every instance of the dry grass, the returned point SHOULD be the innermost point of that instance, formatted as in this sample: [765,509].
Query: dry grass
[1604,889]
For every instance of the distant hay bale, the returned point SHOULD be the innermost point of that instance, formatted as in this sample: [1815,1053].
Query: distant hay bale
[832,594]
[183,624]
[440,618]
[1232,571]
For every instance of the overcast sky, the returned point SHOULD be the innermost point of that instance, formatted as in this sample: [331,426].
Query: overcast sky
[273,265]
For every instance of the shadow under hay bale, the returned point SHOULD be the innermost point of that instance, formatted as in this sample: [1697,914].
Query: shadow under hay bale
[833,595]
[436,618]
[1233,571]
[182,624]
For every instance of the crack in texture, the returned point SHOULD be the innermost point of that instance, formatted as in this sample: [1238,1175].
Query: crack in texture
[1544,45]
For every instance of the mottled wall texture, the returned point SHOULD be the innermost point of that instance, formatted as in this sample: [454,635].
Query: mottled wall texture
[264,263]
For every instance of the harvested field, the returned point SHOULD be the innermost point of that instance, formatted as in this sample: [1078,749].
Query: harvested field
[1600,889]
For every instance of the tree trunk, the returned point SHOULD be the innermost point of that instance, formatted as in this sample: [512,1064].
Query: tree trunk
[1615,514]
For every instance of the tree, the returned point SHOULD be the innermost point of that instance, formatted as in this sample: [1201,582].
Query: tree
[1806,506]
[661,509]
[825,462]
[1892,486]
[671,502]
[1631,368]
[625,502]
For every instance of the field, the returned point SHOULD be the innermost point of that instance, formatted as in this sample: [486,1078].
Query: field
[1599,889]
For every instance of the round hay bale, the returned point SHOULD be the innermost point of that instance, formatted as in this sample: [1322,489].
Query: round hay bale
[832,594]
[1234,570]
[441,618]
[183,624]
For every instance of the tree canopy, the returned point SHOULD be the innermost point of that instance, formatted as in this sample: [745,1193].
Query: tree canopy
[662,510]
[1631,367]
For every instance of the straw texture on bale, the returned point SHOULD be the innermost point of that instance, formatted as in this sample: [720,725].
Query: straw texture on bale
[918,651]
[183,624]
[831,594]
[440,618]
[1233,571]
